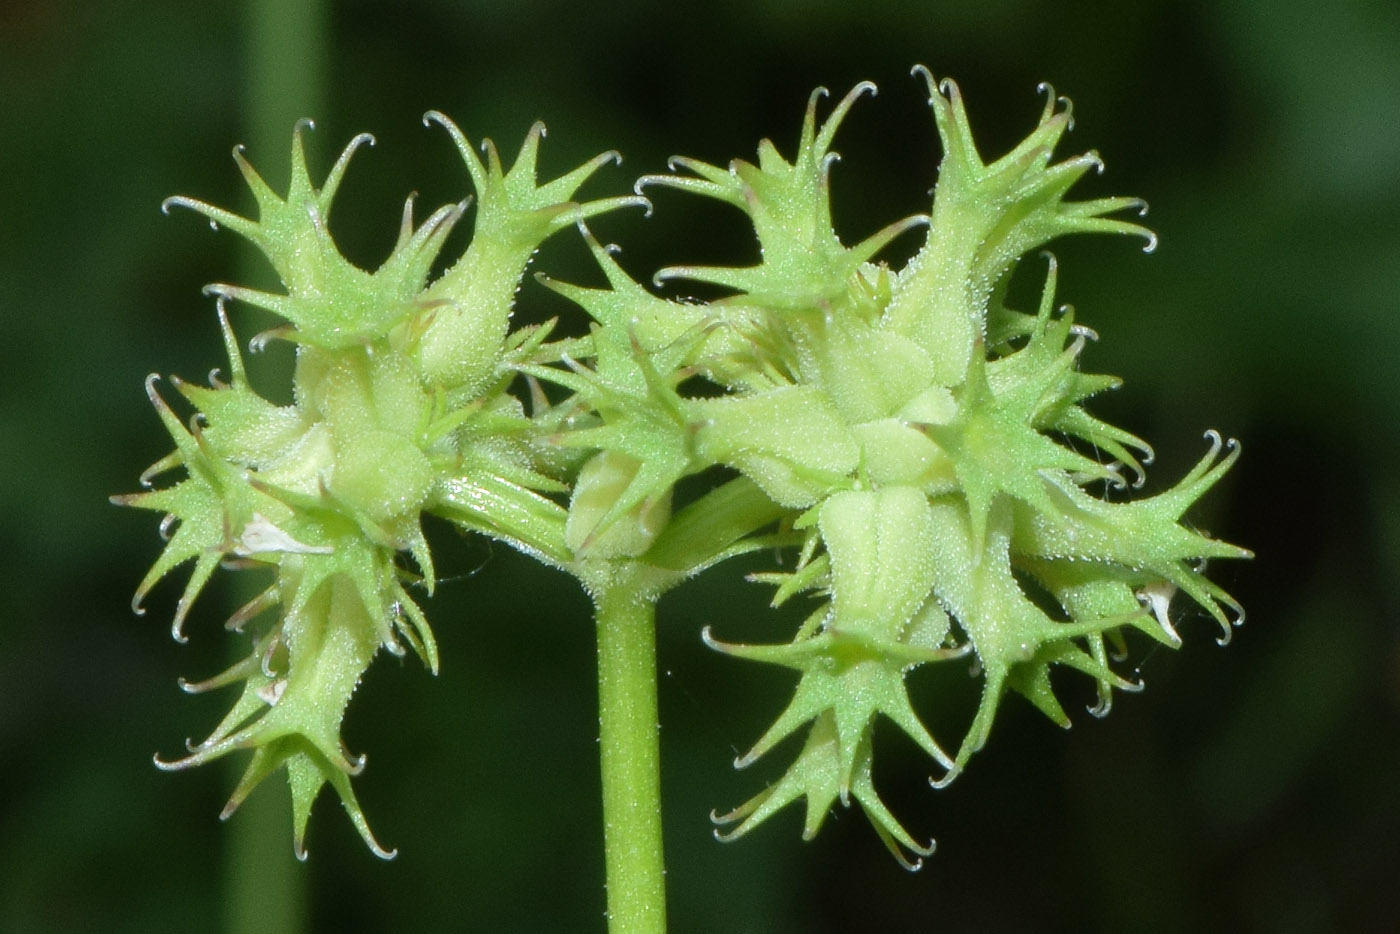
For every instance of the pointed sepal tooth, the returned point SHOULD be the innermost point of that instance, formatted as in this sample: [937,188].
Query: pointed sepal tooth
[804,262]
[821,775]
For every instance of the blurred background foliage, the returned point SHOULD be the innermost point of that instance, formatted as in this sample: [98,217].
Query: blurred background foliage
[1254,788]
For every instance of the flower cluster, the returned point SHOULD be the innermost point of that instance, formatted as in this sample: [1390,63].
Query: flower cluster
[400,408]
[917,441]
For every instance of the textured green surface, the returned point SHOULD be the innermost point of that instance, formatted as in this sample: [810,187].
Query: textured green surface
[1265,311]
[914,432]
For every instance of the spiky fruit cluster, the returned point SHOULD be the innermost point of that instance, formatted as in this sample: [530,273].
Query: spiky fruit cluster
[400,409]
[917,441]
[919,436]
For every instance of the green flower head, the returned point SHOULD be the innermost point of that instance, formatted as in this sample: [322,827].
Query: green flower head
[922,446]
[927,442]
[400,409]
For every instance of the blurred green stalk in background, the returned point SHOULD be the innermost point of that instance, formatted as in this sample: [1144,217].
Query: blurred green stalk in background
[286,48]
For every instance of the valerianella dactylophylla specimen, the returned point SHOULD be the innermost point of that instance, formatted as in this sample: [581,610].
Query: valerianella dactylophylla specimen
[915,444]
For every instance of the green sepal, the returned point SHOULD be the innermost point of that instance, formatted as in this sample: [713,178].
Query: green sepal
[985,216]
[461,345]
[329,302]
[1145,535]
[1014,640]
[307,774]
[1041,382]
[996,449]
[241,424]
[512,207]
[1093,590]
[295,697]
[855,653]
[804,263]
[213,506]
[816,775]
[790,441]
[847,681]
[645,434]
[625,307]
[880,545]
[1023,190]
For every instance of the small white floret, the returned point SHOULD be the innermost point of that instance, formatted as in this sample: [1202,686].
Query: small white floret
[260,536]
[1157,598]
[272,693]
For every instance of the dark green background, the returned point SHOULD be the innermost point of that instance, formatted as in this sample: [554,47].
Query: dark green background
[1253,788]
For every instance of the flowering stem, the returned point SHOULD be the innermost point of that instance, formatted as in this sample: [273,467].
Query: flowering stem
[630,753]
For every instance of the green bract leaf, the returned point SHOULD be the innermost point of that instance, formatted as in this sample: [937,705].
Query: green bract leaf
[460,345]
[804,263]
[880,623]
[790,441]
[329,302]
[985,216]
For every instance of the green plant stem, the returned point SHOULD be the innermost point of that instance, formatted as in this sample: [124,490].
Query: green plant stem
[630,753]
[263,884]
[707,530]
[264,888]
[288,54]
